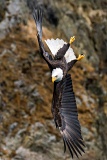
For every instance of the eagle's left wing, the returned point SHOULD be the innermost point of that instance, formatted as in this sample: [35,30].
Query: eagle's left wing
[38,15]
[66,116]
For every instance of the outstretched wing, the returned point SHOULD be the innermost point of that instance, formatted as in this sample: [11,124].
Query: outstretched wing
[36,8]
[38,15]
[66,116]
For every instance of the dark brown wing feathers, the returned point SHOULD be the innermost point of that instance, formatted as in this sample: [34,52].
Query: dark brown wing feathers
[66,117]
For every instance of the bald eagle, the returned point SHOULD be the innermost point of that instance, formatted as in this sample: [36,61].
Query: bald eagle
[64,107]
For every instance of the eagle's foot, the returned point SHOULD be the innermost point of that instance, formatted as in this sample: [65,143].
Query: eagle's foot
[80,57]
[72,39]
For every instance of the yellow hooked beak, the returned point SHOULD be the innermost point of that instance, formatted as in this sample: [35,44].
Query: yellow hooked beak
[53,79]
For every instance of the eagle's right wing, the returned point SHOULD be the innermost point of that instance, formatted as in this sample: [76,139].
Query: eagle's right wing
[66,116]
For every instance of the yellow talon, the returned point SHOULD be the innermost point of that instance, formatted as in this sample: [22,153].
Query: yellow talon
[72,39]
[80,57]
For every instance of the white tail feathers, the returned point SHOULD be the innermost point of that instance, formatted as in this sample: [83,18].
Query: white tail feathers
[55,45]
[70,55]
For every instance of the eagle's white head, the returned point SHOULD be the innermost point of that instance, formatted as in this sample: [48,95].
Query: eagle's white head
[57,75]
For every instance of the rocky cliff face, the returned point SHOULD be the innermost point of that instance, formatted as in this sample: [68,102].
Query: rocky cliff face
[27,130]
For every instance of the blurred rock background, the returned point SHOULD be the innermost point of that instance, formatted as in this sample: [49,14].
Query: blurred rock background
[27,130]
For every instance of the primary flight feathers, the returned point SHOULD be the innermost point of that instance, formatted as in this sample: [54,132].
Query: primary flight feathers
[70,128]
